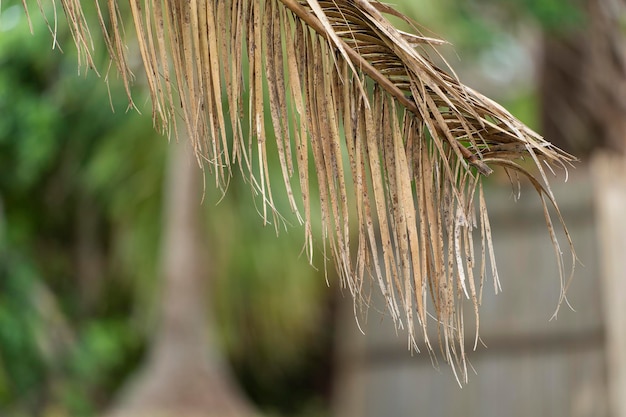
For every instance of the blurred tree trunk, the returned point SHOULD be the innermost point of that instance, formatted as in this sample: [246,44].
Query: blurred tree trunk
[583,82]
[184,375]
[584,111]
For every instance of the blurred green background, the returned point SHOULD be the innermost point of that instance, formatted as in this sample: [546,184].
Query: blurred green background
[81,192]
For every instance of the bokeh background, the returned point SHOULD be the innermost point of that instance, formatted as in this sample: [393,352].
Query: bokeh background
[88,196]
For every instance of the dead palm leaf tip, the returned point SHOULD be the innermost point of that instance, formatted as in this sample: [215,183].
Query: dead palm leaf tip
[392,138]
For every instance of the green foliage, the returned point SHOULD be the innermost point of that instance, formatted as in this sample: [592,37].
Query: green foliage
[556,15]
[60,153]
[22,363]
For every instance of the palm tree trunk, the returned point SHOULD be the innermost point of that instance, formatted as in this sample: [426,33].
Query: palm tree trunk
[185,375]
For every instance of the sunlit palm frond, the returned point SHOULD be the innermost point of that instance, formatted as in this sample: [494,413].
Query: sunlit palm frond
[392,138]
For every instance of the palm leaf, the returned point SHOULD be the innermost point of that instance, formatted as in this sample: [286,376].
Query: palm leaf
[399,146]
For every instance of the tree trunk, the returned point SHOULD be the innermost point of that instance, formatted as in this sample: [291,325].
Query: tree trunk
[583,82]
[185,375]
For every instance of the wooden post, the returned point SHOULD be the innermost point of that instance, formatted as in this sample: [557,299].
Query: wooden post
[610,197]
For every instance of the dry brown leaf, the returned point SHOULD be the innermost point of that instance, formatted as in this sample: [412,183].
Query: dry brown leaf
[398,142]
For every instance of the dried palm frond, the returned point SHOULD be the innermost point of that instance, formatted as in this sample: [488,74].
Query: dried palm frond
[394,139]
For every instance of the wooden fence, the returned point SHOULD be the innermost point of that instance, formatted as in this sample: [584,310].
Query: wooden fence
[532,366]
